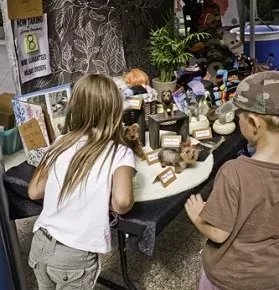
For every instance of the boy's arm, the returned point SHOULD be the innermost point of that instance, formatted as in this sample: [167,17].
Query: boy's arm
[194,206]
[216,218]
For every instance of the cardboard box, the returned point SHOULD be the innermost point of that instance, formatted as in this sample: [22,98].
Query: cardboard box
[6,102]
[7,118]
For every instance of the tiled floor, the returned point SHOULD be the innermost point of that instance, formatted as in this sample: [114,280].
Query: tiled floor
[176,263]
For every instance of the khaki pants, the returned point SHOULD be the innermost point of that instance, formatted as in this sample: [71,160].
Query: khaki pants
[58,267]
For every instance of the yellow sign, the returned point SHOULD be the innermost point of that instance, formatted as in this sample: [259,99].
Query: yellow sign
[22,9]
[31,42]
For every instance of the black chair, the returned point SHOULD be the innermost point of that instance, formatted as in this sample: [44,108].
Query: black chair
[10,239]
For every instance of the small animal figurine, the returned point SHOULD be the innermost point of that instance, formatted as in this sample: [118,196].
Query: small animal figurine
[132,138]
[167,102]
[180,158]
[190,155]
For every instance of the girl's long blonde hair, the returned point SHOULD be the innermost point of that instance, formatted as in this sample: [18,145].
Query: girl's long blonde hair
[95,110]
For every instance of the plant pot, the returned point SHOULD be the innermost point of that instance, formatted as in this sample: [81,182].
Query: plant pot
[2,33]
[160,87]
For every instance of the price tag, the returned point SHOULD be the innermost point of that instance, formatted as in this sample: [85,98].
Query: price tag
[170,141]
[202,134]
[166,177]
[152,157]
[31,42]
[32,135]
[134,102]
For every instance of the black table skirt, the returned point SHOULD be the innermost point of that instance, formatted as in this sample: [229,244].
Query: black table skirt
[146,219]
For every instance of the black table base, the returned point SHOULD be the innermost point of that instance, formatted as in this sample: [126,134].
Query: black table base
[124,268]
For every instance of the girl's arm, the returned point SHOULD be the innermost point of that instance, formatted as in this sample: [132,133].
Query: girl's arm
[36,188]
[122,199]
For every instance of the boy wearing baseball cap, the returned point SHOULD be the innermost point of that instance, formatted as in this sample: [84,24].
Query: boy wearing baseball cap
[241,217]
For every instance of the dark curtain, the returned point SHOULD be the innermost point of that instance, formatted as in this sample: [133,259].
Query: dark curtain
[104,36]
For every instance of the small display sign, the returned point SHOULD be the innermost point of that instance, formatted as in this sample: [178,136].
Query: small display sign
[166,177]
[170,141]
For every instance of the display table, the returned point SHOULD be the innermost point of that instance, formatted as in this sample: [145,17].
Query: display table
[143,222]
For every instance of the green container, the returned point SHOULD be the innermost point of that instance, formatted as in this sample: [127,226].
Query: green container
[10,141]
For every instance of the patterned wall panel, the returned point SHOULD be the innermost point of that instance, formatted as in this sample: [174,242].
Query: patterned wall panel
[105,36]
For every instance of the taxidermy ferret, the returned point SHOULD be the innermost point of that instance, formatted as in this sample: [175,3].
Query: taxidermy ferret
[132,138]
[167,102]
[180,158]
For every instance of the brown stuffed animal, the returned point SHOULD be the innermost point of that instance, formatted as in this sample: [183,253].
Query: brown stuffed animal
[167,103]
[180,158]
[132,138]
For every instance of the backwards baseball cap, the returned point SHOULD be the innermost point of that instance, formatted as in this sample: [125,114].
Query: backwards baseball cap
[258,93]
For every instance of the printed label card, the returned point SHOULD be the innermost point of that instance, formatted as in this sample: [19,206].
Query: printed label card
[170,141]
[152,157]
[166,177]
[202,134]
[135,103]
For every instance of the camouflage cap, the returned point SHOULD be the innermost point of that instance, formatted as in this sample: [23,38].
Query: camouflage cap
[259,93]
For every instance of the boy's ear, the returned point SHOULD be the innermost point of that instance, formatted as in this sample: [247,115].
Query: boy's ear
[254,121]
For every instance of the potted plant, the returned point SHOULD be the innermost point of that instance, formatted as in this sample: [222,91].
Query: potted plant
[169,50]
[2,34]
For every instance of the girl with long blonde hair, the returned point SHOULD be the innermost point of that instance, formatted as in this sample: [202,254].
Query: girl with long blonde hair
[87,171]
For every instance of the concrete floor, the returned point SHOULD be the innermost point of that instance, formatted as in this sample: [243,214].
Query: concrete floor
[176,263]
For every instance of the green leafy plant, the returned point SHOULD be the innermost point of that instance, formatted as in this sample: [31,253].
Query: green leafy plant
[170,50]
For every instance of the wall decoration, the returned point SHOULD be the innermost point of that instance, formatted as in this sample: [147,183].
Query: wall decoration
[25,112]
[53,100]
[31,39]
[101,36]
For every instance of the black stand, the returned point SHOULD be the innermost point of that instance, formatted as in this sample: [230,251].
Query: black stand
[124,270]
[157,121]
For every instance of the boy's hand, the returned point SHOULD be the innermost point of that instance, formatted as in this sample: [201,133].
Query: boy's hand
[194,206]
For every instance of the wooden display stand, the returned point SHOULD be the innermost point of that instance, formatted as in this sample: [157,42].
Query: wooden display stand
[158,122]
